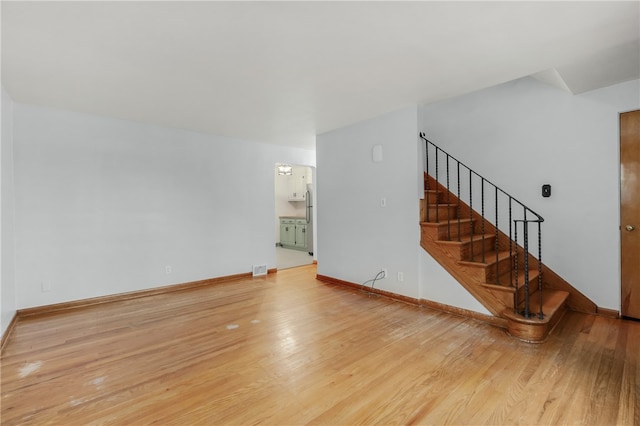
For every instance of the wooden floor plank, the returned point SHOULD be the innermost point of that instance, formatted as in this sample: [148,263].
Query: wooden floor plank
[288,349]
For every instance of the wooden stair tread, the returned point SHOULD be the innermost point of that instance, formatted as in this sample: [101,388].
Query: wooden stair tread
[489,259]
[552,301]
[454,222]
[504,282]
[434,205]
[464,239]
[534,329]
[496,287]
[433,191]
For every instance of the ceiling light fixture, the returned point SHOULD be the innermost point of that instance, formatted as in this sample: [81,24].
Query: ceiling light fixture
[284,170]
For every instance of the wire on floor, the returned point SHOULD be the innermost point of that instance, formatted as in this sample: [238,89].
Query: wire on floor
[379,275]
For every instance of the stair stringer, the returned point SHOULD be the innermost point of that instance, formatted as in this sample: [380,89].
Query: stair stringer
[467,280]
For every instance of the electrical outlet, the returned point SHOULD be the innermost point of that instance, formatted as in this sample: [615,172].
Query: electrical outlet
[167,269]
[400,276]
[45,286]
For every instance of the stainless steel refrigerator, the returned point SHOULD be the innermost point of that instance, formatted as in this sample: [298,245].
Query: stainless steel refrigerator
[309,217]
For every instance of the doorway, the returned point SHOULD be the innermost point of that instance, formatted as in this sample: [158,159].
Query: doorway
[630,213]
[295,212]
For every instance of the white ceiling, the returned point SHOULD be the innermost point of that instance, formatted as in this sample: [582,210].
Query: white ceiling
[282,72]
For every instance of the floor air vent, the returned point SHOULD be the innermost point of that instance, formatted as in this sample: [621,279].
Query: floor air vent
[259,270]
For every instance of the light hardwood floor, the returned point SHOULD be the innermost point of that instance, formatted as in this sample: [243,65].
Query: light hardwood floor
[287,349]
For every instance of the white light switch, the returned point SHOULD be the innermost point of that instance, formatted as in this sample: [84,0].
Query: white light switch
[383,202]
[377,154]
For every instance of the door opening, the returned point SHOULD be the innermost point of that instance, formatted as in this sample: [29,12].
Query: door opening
[295,211]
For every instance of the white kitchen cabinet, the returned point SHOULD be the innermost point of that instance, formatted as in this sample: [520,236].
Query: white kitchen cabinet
[298,184]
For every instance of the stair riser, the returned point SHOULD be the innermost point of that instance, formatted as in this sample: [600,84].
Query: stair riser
[432,196]
[487,273]
[509,293]
[462,250]
[533,287]
[508,277]
[444,230]
[505,296]
[465,249]
[428,232]
[437,232]
[439,212]
[503,271]
[423,211]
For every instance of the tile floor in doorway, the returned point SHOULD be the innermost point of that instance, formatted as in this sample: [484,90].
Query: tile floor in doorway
[289,258]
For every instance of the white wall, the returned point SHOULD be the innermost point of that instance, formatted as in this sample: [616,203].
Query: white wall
[356,236]
[438,285]
[7,287]
[102,205]
[523,134]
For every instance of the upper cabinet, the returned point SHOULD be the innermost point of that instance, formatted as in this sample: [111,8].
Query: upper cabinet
[298,183]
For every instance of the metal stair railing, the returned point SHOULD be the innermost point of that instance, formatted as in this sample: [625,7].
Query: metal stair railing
[516,215]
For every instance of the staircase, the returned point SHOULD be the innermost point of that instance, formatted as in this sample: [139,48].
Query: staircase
[497,268]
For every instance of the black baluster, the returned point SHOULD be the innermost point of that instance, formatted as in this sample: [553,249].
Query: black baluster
[471,210]
[541,314]
[497,257]
[427,186]
[482,202]
[527,314]
[515,304]
[510,246]
[448,203]
[458,194]
[437,189]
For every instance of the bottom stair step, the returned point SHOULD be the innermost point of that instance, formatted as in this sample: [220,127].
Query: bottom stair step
[534,329]
[502,293]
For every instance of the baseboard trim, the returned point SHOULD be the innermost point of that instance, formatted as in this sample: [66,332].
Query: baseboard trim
[83,303]
[466,313]
[423,303]
[609,313]
[7,332]
[390,295]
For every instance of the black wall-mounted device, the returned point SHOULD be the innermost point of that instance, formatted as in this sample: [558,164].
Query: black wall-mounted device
[546,190]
